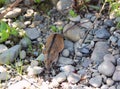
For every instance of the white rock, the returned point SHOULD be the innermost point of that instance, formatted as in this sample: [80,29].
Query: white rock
[73,78]
[34,70]
[34,63]
[65,53]
[20,85]
[14,13]
[60,77]
[109,82]
[40,57]
[112,87]
[106,68]
[53,84]
[104,87]
[96,81]
[4,74]
[65,61]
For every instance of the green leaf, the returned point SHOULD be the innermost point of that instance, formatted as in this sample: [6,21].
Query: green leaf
[72,13]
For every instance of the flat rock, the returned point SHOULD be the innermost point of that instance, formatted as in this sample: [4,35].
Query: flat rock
[60,77]
[14,13]
[106,68]
[3,48]
[116,75]
[101,48]
[65,61]
[32,33]
[102,33]
[20,85]
[34,70]
[86,23]
[67,69]
[75,33]
[4,74]
[96,81]
[10,55]
[73,78]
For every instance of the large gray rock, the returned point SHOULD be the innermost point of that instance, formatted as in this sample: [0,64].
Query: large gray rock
[96,81]
[74,33]
[32,33]
[14,13]
[101,48]
[10,55]
[106,68]
[116,75]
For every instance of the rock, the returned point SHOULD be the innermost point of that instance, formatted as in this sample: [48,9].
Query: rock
[73,78]
[109,82]
[75,19]
[32,33]
[74,33]
[65,53]
[86,23]
[106,68]
[25,42]
[34,63]
[65,61]
[108,23]
[112,87]
[64,5]
[20,85]
[84,50]
[29,13]
[118,87]
[116,75]
[117,19]
[101,48]
[104,87]
[102,33]
[113,39]
[22,54]
[68,45]
[18,24]
[96,81]
[2,48]
[109,57]
[40,57]
[60,77]
[86,63]
[118,43]
[3,74]
[10,55]
[118,61]
[28,2]
[52,85]
[14,13]
[88,15]
[67,69]
[34,70]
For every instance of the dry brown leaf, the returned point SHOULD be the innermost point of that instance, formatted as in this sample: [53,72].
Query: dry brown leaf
[54,45]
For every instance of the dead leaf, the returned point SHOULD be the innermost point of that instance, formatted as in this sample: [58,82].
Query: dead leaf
[54,45]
